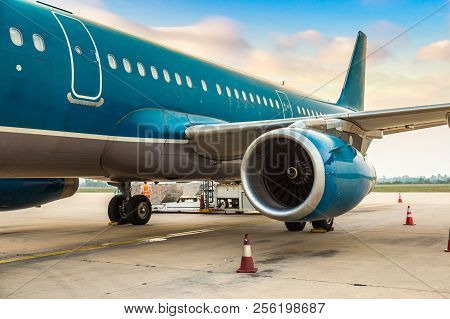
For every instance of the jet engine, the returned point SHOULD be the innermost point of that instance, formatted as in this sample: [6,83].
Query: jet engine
[25,193]
[295,174]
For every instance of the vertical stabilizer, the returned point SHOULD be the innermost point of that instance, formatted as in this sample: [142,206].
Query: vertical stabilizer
[352,95]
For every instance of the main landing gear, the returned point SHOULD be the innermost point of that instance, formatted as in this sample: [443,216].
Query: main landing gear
[325,224]
[125,208]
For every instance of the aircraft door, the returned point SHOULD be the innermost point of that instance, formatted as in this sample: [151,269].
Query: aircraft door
[86,71]
[285,104]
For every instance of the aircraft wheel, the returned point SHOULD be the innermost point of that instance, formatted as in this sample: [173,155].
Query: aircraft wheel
[295,226]
[115,210]
[138,210]
[326,224]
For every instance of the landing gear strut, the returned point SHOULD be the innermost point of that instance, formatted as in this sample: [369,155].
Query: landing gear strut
[326,224]
[295,226]
[124,208]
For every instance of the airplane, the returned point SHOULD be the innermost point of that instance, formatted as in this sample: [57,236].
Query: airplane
[83,100]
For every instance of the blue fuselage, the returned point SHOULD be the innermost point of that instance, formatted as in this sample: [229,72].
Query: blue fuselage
[67,79]
[37,96]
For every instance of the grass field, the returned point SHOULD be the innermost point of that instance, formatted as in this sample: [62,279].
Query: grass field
[96,190]
[410,188]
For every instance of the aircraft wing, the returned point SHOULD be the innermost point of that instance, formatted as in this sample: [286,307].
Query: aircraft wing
[230,141]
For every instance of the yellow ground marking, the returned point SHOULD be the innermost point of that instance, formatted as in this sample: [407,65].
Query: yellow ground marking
[143,240]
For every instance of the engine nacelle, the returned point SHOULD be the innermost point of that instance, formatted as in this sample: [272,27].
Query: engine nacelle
[31,192]
[304,175]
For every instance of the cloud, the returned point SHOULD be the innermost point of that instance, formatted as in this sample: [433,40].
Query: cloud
[436,51]
[213,37]
[285,42]
[305,59]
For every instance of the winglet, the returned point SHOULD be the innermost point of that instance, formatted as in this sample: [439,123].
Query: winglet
[352,95]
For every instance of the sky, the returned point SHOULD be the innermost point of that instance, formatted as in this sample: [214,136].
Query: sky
[308,43]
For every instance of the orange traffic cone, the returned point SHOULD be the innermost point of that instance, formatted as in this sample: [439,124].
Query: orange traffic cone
[448,245]
[409,219]
[400,198]
[247,266]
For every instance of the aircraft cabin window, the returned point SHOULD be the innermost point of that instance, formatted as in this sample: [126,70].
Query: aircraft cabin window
[298,110]
[127,65]
[252,99]
[278,104]
[141,69]
[178,79]
[271,103]
[204,86]
[303,111]
[307,110]
[244,95]
[39,43]
[166,76]
[16,37]
[258,99]
[228,91]
[154,72]
[78,50]
[265,101]
[112,61]
[219,89]
[188,81]
[236,94]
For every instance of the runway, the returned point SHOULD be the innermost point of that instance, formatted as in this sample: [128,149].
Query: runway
[67,250]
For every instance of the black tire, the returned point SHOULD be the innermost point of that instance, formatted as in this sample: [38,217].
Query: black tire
[326,224]
[295,226]
[138,210]
[114,210]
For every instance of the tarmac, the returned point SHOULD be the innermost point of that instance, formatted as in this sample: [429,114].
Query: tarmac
[66,249]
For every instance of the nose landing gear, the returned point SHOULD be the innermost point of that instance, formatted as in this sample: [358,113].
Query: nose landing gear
[122,209]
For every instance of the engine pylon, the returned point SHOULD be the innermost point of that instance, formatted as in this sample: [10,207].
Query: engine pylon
[409,218]
[247,265]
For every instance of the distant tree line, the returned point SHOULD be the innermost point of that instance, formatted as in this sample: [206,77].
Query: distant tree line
[93,183]
[434,179]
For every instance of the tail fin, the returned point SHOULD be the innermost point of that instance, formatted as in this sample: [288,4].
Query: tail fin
[352,95]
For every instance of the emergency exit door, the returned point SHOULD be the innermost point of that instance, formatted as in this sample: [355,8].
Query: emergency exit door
[86,71]
[285,104]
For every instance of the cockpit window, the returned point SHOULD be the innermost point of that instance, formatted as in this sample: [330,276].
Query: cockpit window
[16,37]
[39,43]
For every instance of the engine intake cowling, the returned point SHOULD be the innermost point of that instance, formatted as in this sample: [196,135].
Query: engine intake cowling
[296,174]
[31,192]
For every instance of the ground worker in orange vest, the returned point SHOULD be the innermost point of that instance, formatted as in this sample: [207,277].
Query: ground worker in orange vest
[146,190]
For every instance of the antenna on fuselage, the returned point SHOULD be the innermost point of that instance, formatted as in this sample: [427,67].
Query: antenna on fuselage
[49,5]
[283,82]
